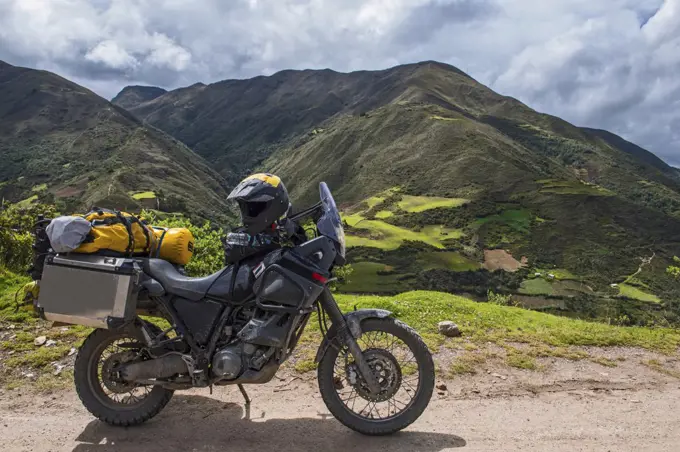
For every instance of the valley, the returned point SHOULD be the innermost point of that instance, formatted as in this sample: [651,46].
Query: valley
[443,183]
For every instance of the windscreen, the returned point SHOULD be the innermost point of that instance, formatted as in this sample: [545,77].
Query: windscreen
[330,224]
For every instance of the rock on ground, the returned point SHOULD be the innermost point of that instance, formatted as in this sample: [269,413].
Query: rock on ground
[449,329]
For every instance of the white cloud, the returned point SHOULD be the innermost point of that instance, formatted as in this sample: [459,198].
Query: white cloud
[111,55]
[612,71]
[166,54]
[605,63]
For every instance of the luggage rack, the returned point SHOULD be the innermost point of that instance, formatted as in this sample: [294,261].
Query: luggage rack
[90,290]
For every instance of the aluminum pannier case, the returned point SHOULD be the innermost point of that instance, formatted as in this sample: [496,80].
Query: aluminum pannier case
[90,290]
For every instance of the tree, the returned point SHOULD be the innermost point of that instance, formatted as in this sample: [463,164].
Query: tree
[342,273]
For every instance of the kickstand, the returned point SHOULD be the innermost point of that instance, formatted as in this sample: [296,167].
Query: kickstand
[245,394]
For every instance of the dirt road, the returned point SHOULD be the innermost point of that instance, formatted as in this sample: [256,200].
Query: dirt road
[577,416]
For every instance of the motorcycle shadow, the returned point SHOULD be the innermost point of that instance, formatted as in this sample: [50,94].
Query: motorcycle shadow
[196,423]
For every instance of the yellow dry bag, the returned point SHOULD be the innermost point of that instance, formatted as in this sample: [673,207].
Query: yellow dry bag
[119,232]
[175,245]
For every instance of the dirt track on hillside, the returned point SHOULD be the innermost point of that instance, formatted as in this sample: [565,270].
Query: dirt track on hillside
[525,411]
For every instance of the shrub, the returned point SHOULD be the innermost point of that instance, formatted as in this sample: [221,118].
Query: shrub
[500,299]
[673,270]
[208,248]
[16,224]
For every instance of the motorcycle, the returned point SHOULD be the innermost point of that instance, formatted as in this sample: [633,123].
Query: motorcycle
[375,373]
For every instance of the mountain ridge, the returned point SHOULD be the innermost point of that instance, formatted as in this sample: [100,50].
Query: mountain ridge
[418,82]
[305,100]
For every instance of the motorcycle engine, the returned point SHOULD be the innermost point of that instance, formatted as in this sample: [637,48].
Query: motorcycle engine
[227,363]
[235,356]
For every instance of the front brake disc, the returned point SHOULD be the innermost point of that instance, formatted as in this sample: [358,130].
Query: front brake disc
[387,371]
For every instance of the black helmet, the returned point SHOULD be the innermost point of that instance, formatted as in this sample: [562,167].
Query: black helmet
[263,199]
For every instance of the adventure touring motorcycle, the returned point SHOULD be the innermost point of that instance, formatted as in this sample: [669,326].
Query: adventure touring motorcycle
[237,326]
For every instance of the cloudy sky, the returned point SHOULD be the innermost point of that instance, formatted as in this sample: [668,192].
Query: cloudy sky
[612,64]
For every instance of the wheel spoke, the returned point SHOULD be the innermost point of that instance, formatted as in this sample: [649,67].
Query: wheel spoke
[395,366]
[117,391]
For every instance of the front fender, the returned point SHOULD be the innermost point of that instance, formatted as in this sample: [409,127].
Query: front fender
[353,320]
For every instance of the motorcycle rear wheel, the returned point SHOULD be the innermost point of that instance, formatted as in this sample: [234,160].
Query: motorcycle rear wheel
[406,384]
[99,392]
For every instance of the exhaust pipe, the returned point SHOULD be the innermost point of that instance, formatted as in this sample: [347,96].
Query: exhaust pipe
[164,367]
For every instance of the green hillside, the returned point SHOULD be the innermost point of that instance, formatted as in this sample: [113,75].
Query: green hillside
[426,125]
[60,143]
[532,251]
[447,185]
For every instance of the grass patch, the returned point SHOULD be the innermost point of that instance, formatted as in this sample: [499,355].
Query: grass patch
[520,360]
[76,332]
[601,360]
[378,234]
[536,286]
[658,366]
[39,358]
[27,202]
[353,219]
[442,233]
[575,187]
[422,203]
[9,284]
[365,279]
[470,347]
[466,363]
[451,260]
[23,342]
[39,188]
[380,197]
[377,277]
[305,365]
[543,351]
[384,214]
[485,322]
[143,195]
[374,201]
[633,292]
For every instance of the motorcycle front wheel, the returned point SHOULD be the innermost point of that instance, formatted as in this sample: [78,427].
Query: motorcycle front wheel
[401,362]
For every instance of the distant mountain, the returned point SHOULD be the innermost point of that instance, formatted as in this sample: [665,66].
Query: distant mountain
[60,142]
[427,124]
[236,124]
[131,96]
[634,150]
[562,196]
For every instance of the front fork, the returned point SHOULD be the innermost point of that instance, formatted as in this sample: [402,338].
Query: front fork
[346,335]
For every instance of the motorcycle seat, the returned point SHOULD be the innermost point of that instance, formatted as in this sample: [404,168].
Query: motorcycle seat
[174,282]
